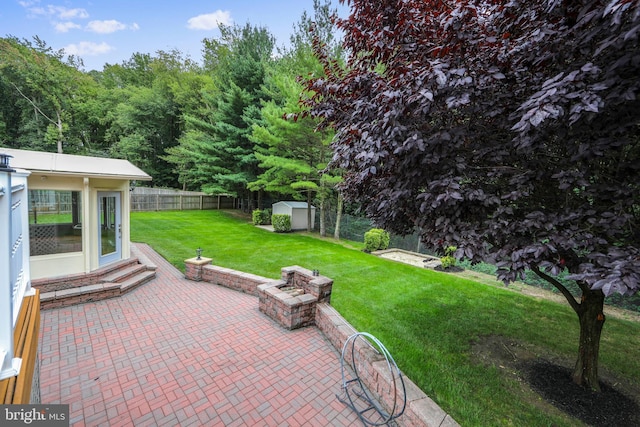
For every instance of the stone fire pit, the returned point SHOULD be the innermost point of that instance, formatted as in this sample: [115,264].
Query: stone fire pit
[292,300]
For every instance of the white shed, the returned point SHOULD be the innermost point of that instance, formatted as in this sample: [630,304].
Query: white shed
[298,213]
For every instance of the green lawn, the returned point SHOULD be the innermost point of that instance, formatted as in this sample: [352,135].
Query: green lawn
[427,320]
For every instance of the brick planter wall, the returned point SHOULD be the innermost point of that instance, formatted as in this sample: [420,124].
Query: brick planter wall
[294,311]
[318,286]
[291,312]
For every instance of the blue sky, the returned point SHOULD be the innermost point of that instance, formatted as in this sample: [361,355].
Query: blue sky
[110,31]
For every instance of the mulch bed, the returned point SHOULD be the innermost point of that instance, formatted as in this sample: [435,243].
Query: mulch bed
[607,408]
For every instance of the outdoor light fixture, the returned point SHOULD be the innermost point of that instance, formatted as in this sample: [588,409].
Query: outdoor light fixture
[199,252]
[316,272]
[4,161]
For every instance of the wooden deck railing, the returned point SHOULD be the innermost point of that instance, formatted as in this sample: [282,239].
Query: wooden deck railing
[17,390]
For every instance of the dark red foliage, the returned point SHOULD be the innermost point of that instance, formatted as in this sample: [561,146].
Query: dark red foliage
[509,129]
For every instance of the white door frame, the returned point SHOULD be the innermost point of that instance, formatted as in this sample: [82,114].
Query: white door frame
[109,227]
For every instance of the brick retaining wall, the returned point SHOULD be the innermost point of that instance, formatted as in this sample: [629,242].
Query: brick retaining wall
[237,280]
[202,270]
[420,411]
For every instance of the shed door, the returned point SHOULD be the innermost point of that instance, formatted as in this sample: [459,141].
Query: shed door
[109,227]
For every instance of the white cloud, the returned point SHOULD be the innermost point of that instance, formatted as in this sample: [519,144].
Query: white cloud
[105,27]
[88,48]
[35,12]
[29,4]
[64,27]
[63,13]
[210,21]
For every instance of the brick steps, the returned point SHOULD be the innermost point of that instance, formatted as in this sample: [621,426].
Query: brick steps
[123,274]
[111,281]
[137,280]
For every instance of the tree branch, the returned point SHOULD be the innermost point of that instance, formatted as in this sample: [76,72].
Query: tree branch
[33,103]
[569,297]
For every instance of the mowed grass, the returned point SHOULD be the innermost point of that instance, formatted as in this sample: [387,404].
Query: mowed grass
[427,320]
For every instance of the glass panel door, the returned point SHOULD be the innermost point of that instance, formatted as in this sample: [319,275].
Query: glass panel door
[110,227]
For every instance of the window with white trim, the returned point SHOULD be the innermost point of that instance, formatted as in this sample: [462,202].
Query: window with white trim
[55,221]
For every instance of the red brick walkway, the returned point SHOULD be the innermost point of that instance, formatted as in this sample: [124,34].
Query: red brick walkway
[176,352]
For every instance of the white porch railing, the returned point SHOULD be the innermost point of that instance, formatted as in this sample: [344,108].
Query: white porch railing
[15,280]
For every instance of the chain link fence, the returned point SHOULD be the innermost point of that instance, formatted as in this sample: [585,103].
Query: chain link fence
[353,227]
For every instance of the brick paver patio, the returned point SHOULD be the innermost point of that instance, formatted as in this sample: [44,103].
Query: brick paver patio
[176,352]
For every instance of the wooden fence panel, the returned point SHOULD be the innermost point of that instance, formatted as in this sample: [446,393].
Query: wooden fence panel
[166,202]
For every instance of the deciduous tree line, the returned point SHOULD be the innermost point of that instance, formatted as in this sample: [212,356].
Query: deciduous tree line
[219,126]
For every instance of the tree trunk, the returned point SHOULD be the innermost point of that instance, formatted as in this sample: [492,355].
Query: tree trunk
[323,226]
[60,135]
[336,232]
[591,320]
[309,211]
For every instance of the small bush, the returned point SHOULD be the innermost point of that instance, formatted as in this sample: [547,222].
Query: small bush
[281,223]
[448,260]
[261,217]
[376,239]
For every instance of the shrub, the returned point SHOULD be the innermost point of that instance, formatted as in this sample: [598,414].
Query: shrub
[261,217]
[448,260]
[376,239]
[281,223]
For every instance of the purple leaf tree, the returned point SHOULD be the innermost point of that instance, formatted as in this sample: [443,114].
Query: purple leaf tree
[507,129]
